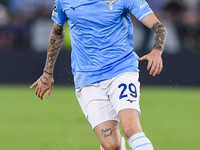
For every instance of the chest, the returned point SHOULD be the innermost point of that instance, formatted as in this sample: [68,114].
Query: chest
[93,11]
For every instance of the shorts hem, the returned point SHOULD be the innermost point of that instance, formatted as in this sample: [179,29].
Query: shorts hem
[138,110]
[102,121]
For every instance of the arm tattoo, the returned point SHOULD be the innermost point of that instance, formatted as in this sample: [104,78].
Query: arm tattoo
[43,82]
[55,43]
[160,36]
[107,132]
[48,72]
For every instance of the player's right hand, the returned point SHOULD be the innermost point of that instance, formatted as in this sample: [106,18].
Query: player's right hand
[43,84]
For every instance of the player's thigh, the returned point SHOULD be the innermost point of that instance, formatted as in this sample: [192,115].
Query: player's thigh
[108,134]
[95,105]
[125,96]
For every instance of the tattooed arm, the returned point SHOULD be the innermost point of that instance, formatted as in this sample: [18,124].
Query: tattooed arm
[45,82]
[160,36]
[55,43]
[154,58]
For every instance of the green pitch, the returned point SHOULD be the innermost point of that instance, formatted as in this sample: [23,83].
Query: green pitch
[170,118]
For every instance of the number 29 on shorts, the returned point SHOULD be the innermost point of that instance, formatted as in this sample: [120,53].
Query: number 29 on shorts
[132,89]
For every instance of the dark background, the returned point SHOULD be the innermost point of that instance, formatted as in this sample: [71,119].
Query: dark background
[25,26]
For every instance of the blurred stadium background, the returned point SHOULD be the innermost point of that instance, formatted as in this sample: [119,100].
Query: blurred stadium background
[169,101]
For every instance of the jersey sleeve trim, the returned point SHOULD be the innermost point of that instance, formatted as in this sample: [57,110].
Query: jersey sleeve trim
[143,16]
[57,22]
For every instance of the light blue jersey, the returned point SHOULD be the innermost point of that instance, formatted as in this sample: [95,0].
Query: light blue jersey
[101,35]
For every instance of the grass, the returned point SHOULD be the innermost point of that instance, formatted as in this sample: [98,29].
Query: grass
[170,118]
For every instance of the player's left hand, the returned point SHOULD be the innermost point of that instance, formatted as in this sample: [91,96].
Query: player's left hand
[155,63]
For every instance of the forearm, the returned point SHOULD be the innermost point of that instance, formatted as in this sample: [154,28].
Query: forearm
[160,33]
[55,43]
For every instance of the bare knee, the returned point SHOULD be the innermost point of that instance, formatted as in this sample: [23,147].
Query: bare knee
[129,131]
[112,146]
[130,122]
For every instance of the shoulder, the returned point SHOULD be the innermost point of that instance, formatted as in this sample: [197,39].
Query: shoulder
[58,2]
[133,3]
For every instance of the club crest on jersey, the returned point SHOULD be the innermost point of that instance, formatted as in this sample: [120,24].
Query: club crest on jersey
[110,4]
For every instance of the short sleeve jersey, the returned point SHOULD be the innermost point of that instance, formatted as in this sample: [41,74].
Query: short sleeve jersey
[101,35]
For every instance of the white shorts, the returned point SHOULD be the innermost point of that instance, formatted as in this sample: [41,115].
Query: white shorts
[102,101]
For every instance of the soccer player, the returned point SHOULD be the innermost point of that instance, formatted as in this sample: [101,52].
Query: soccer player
[104,64]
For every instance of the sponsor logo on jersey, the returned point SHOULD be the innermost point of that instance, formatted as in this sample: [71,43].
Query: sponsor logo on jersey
[110,4]
[74,8]
[142,6]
